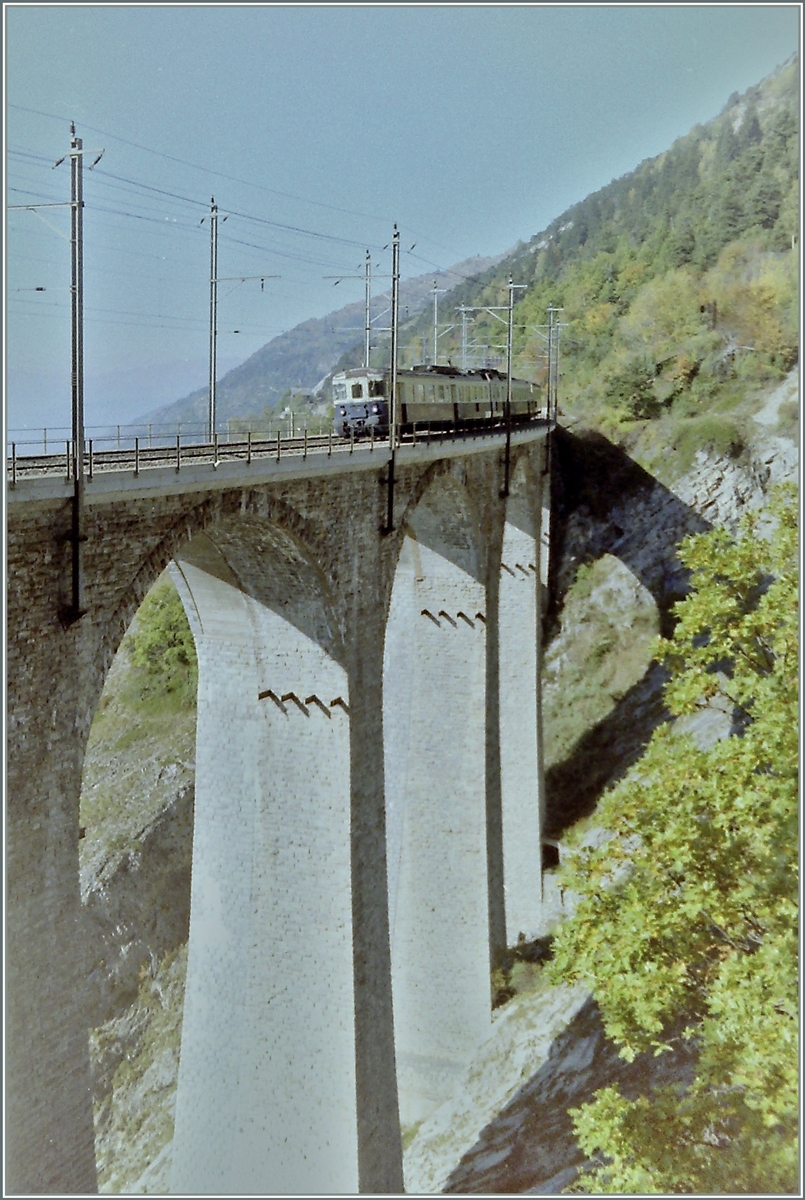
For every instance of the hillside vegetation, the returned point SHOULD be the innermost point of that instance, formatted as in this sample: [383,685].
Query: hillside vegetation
[136,810]
[678,285]
[141,746]
[686,925]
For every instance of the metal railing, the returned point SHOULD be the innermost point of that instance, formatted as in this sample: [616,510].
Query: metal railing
[153,435]
[184,450]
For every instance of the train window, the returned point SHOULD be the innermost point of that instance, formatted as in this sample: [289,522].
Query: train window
[339,391]
[440,392]
[357,391]
[375,387]
[420,392]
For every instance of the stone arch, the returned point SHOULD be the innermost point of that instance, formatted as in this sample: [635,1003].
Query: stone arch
[606,503]
[107,641]
[255,502]
[434,717]
[149,570]
[439,493]
[615,739]
[271,864]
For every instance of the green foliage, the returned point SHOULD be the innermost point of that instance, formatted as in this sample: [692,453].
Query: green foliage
[141,745]
[161,647]
[631,388]
[686,924]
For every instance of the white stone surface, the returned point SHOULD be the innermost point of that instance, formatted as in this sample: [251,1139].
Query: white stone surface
[266,1092]
[434,720]
[519,733]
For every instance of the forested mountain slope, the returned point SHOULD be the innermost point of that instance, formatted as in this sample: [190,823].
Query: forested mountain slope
[677,283]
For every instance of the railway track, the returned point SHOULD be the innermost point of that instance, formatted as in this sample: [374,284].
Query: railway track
[137,458]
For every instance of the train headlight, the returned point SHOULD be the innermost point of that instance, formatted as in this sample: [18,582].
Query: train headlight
[375,409]
[343,411]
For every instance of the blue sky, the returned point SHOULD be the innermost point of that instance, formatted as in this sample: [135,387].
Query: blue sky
[471,126]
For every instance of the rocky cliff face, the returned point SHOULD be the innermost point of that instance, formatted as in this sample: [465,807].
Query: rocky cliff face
[615,578]
[136,853]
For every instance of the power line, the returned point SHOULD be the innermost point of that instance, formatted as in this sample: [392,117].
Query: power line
[246,182]
[294,229]
[256,331]
[209,170]
[146,194]
[315,262]
[329,237]
[151,188]
[444,270]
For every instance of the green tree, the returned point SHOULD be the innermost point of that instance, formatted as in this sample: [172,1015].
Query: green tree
[630,387]
[161,646]
[686,924]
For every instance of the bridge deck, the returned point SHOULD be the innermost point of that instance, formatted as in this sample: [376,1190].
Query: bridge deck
[161,473]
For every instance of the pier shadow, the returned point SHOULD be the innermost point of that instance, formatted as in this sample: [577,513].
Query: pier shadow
[530,1146]
[604,754]
[606,503]
[603,502]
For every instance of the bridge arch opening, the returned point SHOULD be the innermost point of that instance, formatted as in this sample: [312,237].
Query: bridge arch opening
[266,1084]
[601,693]
[135,845]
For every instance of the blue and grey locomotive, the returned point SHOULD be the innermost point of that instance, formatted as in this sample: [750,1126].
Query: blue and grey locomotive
[441,397]
[359,403]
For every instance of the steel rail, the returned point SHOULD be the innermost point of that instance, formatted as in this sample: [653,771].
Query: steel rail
[175,455]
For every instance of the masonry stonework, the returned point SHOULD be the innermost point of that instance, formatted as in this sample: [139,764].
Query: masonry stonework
[288,584]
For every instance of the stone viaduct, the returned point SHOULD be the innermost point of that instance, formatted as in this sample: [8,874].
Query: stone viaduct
[368,797]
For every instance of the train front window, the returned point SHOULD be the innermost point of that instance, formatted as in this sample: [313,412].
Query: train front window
[375,387]
[339,392]
[357,391]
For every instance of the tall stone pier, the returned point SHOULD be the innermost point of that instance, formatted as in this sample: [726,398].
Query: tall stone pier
[367,818]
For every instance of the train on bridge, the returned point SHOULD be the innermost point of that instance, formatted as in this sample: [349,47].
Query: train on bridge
[435,396]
